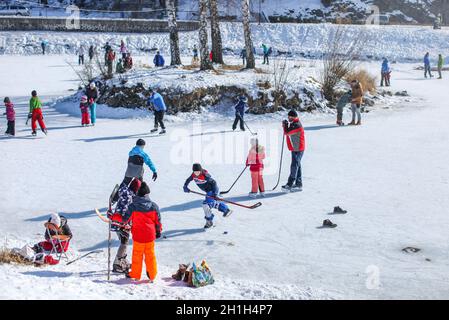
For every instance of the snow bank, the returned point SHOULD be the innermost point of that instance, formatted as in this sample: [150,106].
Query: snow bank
[400,43]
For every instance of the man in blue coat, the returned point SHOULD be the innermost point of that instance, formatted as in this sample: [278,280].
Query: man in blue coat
[156,101]
[239,112]
[158,60]
[385,72]
[427,68]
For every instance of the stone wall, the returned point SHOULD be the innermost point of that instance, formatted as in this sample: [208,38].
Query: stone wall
[93,25]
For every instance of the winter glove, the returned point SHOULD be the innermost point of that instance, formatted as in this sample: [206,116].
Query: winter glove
[30,115]
[158,235]
[154,176]
[285,123]
[186,189]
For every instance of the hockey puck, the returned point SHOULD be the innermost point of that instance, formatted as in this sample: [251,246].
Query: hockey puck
[225,232]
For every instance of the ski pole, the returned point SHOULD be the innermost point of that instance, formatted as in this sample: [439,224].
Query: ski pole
[109,251]
[244,122]
[254,206]
[225,192]
[280,165]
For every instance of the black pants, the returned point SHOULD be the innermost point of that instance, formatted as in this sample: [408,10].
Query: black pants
[236,121]
[385,77]
[81,59]
[159,119]
[295,169]
[265,59]
[11,128]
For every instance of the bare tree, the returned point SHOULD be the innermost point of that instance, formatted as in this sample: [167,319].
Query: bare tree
[281,76]
[250,61]
[204,47]
[174,39]
[339,58]
[217,47]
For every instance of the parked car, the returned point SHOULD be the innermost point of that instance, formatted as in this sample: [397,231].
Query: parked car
[14,11]
[384,19]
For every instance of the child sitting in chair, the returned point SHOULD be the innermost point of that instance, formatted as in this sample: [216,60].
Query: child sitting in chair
[55,226]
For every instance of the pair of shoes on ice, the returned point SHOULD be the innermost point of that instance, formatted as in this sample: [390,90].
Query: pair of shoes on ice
[340,123]
[254,194]
[353,123]
[329,224]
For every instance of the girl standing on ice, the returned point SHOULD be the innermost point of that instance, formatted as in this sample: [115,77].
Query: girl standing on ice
[36,113]
[123,50]
[84,106]
[255,162]
[10,116]
[92,96]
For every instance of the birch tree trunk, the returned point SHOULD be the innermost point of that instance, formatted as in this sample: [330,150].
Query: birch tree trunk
[250,62]
[204,47]
[217,47]
[174,39]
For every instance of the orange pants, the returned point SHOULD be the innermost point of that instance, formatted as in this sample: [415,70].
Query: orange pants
[257,181]
[37,116]
[139,250]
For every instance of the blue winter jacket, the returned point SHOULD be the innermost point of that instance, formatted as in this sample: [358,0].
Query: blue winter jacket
[385,66]
[427,60]
[137,151]
[158,60]
[240,108]
[157,101]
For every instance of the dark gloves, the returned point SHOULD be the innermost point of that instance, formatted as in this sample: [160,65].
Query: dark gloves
[30,115]
[285,123]
[186,189]
[158,234]
[154,176]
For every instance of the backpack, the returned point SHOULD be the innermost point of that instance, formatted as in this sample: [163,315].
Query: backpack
[201,275]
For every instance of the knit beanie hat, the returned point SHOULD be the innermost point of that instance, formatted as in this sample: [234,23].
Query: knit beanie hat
[55,219]
[143,190]
[196,167]
[293,113]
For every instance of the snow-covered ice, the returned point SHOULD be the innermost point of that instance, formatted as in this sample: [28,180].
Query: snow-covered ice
[391,174]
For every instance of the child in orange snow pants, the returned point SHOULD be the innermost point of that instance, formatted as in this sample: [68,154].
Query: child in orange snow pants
[255,162]
[145,219]
[139,251]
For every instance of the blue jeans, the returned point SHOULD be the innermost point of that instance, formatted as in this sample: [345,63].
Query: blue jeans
[427,69]
[295,169]
[93,112]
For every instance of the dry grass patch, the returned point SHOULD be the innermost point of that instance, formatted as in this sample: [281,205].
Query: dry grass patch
[6,256]
[367,80]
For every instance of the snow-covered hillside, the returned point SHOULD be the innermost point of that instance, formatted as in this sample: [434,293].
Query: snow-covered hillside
[400,44]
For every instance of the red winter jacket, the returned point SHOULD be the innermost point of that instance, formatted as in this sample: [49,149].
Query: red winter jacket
[255,159]
[145,219]
[10,113]
[295,136]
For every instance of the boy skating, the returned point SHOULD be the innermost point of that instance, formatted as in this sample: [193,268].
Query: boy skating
[205,182]
[36,113]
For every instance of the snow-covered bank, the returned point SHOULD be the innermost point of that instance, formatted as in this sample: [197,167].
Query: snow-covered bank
[400,43]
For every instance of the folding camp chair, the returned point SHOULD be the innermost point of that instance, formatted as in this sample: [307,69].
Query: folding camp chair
[57,240]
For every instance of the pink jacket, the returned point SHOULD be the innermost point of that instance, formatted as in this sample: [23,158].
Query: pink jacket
[10,113]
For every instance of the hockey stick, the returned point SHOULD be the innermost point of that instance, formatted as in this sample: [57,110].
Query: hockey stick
[254,206]
[280,165]
[226,192]
[244,122]
[84,255]
[109,229]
